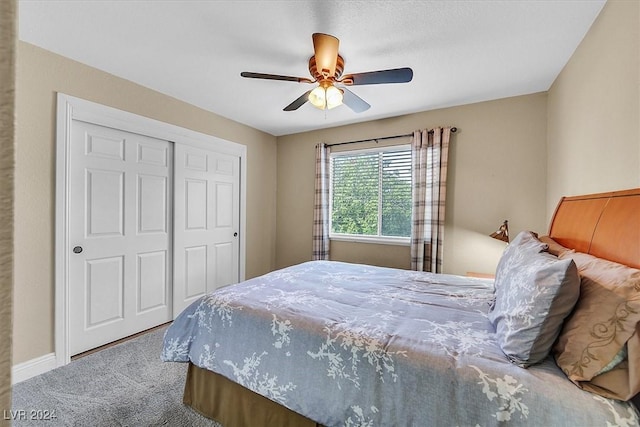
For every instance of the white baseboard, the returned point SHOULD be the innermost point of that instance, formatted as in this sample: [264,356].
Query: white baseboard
[31,368]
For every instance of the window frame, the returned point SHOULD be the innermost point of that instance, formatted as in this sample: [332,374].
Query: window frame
[361,238]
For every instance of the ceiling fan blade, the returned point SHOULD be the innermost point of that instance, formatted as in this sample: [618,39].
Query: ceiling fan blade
[275,77]
[353,101]
[298,102]
[396,75]
[326,53]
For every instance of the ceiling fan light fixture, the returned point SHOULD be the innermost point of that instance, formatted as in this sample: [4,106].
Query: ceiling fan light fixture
[333,96]
[318,97]
[326,96]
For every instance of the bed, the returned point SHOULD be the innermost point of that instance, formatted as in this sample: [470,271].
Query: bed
[326,343]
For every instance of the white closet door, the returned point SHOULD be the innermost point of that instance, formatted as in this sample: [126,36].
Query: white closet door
[206,221]
[120,229]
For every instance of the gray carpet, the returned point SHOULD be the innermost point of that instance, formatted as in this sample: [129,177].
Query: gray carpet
[124,385]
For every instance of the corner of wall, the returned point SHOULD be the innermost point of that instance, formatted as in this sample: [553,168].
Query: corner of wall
[8,37]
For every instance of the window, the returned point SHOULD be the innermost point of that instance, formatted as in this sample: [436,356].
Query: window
[370,194]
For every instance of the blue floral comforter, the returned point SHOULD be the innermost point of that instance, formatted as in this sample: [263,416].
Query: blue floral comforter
[355,345]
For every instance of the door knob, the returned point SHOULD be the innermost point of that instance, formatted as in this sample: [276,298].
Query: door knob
[77,249]
[235,234]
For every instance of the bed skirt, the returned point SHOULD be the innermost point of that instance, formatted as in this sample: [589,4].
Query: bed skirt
[232,405]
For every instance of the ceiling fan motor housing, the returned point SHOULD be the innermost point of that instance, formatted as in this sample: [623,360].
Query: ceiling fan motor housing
[324,74]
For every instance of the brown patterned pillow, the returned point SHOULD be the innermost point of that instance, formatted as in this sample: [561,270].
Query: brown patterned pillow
[603,321]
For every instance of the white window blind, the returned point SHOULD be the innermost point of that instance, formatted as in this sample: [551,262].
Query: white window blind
[371,192]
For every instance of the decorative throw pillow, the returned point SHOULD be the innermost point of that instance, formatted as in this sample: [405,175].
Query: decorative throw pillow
[591,346]
[534,293]
[524,241]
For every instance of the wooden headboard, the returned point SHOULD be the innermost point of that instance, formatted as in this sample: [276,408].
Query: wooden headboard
[605,225]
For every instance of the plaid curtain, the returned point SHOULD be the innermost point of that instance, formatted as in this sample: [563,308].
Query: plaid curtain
[321,205]
[429,157]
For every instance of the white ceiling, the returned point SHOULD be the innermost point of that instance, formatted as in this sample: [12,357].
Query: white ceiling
[460,51]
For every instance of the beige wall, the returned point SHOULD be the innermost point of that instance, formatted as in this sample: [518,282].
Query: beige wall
[7,131]
[497,171]
[593,116]
[40,74]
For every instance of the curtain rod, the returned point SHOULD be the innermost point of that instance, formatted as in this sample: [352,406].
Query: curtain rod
[453,130]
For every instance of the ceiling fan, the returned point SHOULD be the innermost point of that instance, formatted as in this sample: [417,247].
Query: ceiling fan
[326,67]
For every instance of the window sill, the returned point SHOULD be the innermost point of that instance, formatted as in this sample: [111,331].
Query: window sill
[398,241]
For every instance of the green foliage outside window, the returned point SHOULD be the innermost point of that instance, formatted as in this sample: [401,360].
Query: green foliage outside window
[371,194]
